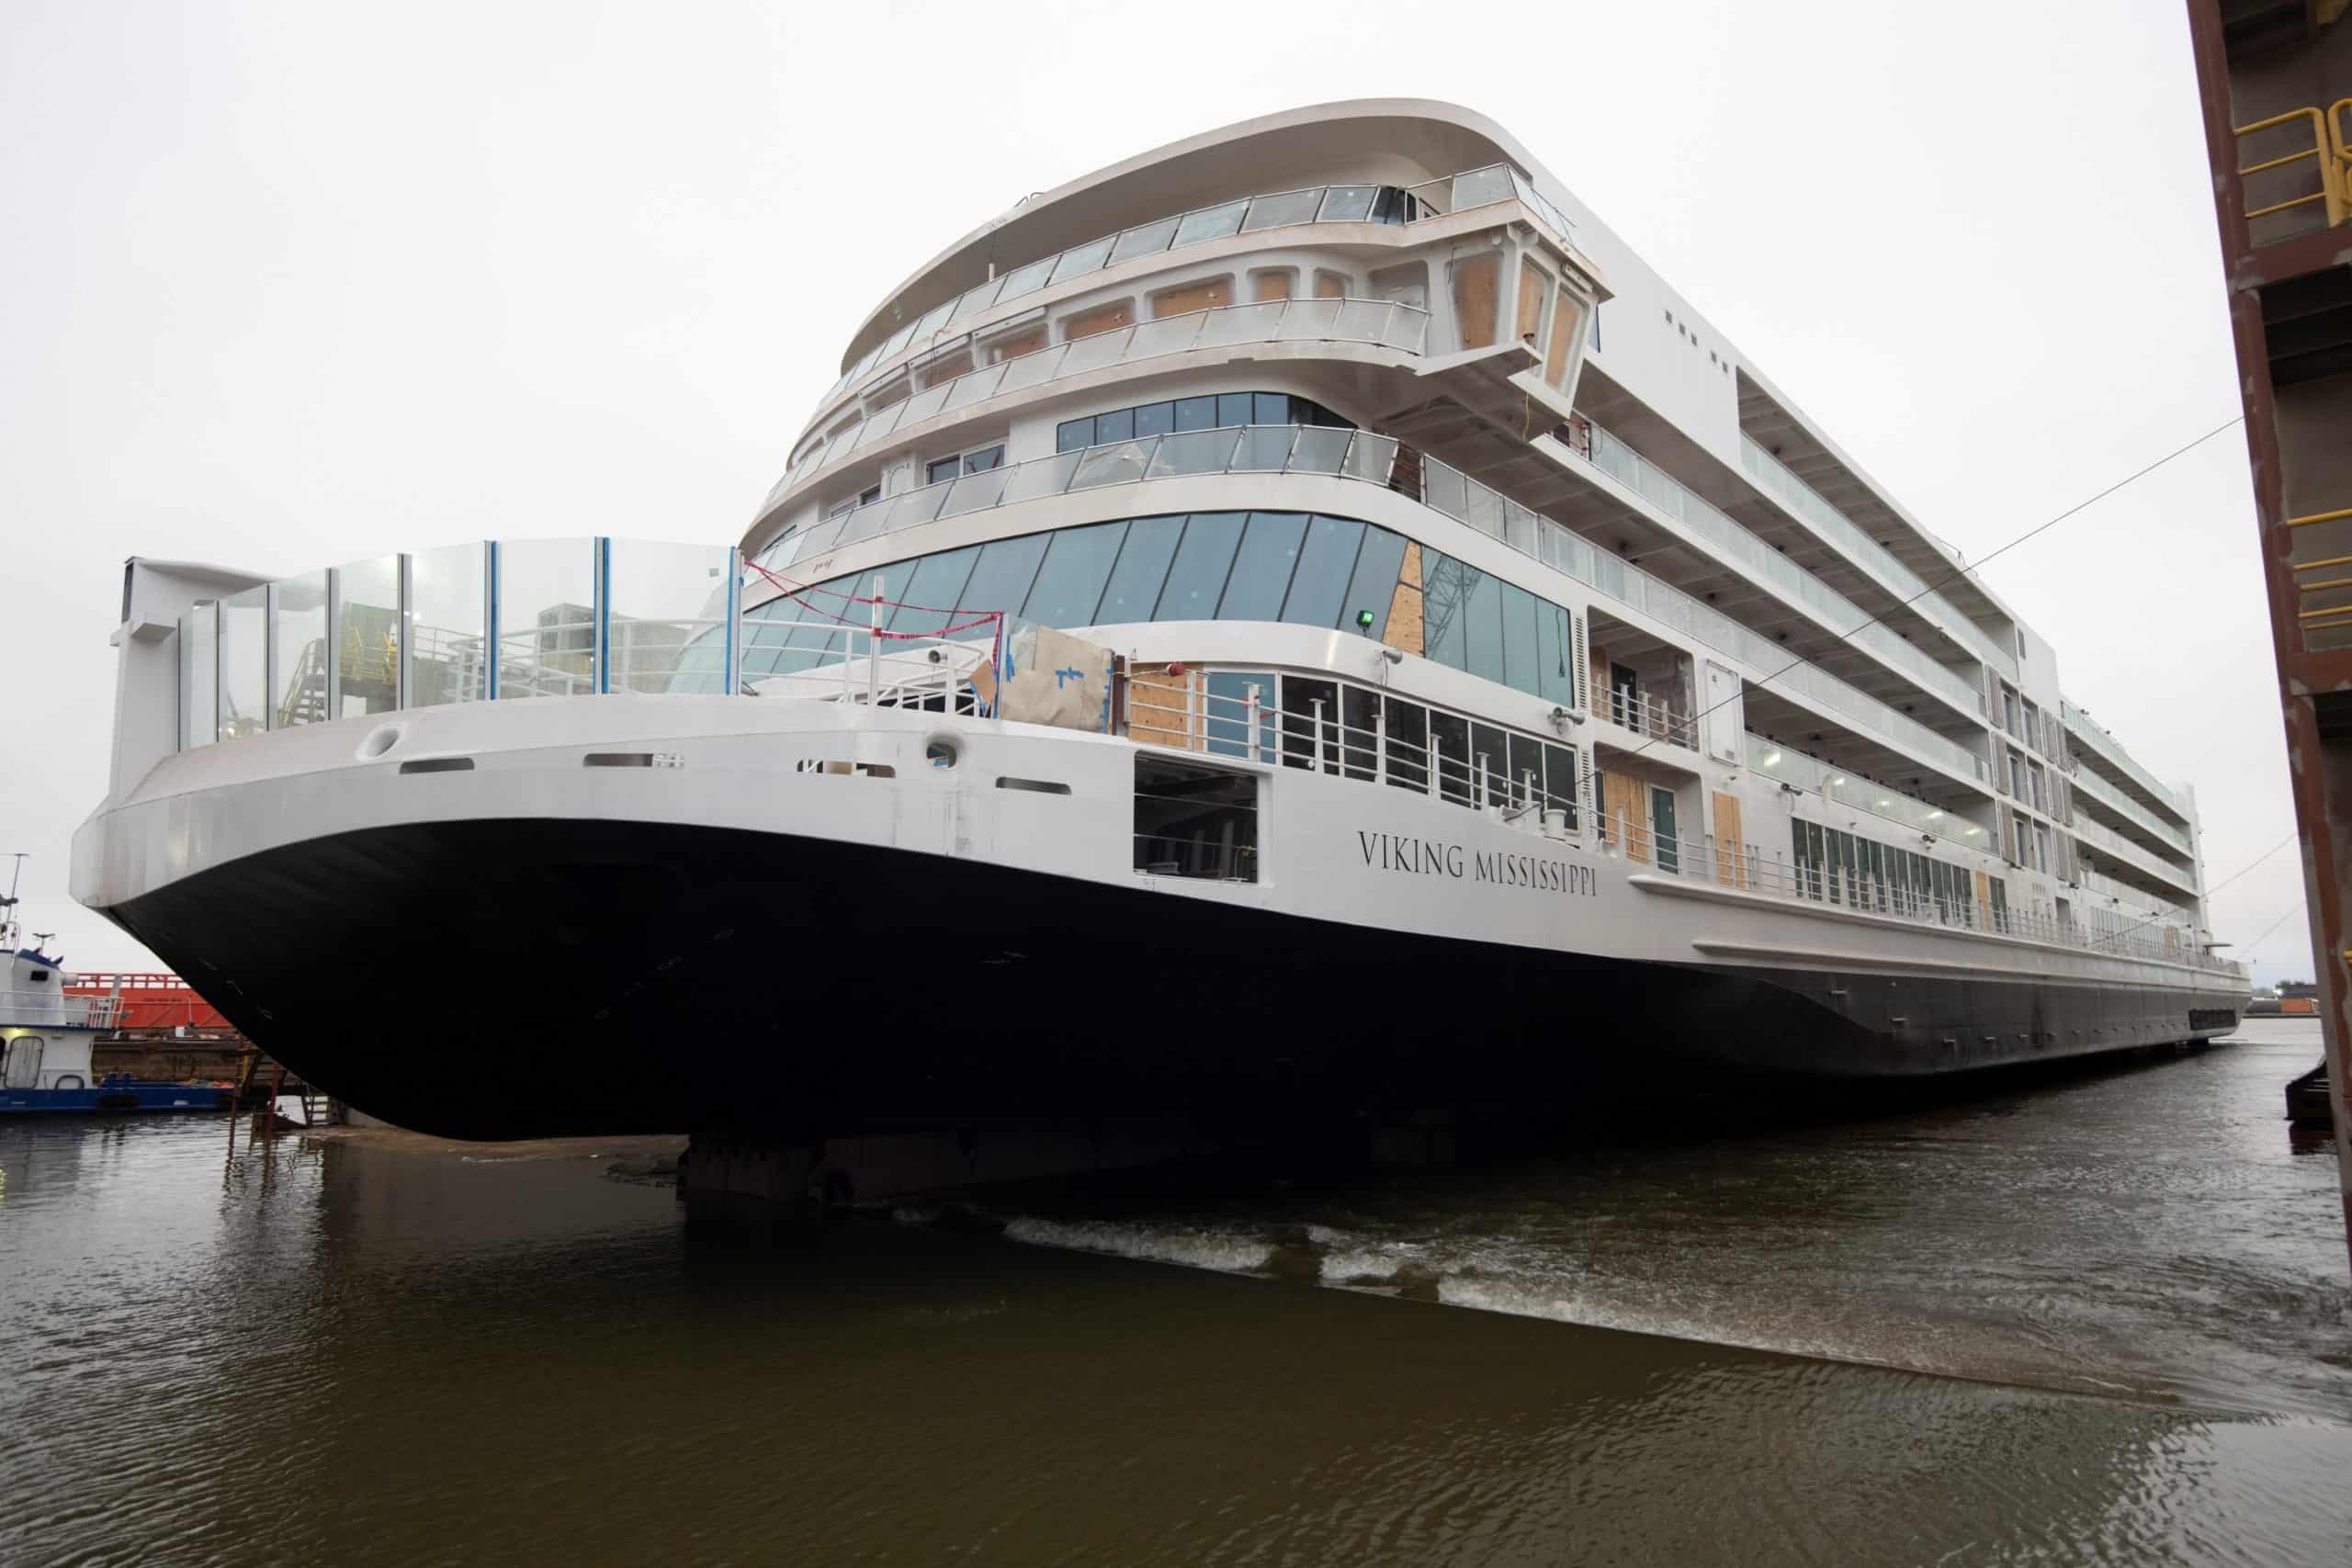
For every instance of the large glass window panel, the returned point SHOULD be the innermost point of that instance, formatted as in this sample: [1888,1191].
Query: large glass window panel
[1489,760]
[1408,738]
[1346,204]
[1554,655]
[297,633]
[1000,578]
[244,664]
[1263,567]
[199,676]
[1227,728]
[1560,780]
[1149,238]
[1483,624]
[1196,582]
[1209,223]
[1196,413]
[1155,419]
[1320,583]
[1372,588]
[547,617]
[1234,408]
[927,607]
[1289,206]
[1360,731]
[1521,668]
[1119,424]
[1144,556]
[666,598]
[1450,744]
[1525,782]
[1446,605]
[446,635]
[1304,702]
[1069,585]
[367,636]
[1072,434]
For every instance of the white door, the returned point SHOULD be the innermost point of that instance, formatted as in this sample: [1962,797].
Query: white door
[1721,704]
[21,1068]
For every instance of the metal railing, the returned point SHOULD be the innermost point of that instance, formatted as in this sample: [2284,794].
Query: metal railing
[2081,726]
[1811,774]
[2089,782]
[1384,322]
[1313,204]
[2114,845]
[1644,714]
[36,1007]
[2333,171]
[1841,615]
[1802,502]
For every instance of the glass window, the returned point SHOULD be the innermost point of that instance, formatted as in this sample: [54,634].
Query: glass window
[1489,761]
[1360,731]
[1554,650]
[1482,623]
[984,459]
[1408,738]
[368,642]
[1225,723]
[1560,780]
[1070,583]
[1000,578]
[446,637]
[1196,413]
[1289,206]
[199,672]
[1073,434]
[1320,583]
[936,470]
[1155,419]
[245,663]
[1445,593]
[1234,408]
[1144,555]
[1196,582]
[1209,223]
[1263,567]
[297,633]
[927,605]
[1450,740]
[1372,588]
[1526,778]
[1273,408]
[1520,664]
[1119,426]
[1301,698]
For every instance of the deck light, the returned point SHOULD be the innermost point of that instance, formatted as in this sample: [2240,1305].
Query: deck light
[1364,621]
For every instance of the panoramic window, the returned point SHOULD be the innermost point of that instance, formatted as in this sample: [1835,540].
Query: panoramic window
[1209,412]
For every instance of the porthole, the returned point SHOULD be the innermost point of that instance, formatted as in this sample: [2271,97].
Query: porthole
[941,753]
[381,739]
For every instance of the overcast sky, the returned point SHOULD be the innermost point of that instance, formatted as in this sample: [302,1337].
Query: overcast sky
[287,285]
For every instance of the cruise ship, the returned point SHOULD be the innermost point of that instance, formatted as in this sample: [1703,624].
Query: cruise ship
[1304,611]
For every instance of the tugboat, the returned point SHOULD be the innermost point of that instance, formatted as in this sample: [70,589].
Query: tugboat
[46,1035]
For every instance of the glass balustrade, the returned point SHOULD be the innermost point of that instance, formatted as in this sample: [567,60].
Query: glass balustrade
[1836,611]
[2087,782]
[1316,203]
[2110,842]
[1815,776]
[2082,727]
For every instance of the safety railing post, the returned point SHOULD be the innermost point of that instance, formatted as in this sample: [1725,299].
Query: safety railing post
[1479,783]
[1249,720]
[874,646]
[1318,706]
[1379,741]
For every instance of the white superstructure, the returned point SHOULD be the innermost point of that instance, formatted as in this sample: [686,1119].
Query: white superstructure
[1470,600]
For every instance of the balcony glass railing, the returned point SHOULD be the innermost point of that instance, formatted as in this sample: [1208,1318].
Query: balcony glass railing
[470,623]
[1316,204]
[2138,900]
[1380,321]
[2108,843]
[1815,776]
[2087,782]
[1359,455]
[2083,730]
[1834,610]
[1775,479]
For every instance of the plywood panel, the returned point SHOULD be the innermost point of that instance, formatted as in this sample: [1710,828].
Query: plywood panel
[1731,855]
[1157,705]
[1624,800]
[1271,285]
[1533,287]
[1596,660]
[1101,318]
[1331,285]
[1477,298]
[1984,903]
[1405,632]
[1210,295]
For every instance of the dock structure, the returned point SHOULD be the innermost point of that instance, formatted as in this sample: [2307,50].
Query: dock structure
[2274,80]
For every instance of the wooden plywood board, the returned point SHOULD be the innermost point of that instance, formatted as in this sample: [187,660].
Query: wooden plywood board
[1157,705]
[1731,858]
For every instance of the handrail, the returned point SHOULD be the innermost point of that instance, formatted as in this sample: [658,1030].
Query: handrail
[1386,323]
[2107,746]
[1357,202]
[2327,147]
[2098,788]
[2114,844]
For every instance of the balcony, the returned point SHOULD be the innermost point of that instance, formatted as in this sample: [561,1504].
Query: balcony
[1814,776]
[2087,782]
[1802,502]
[2084,729]
[2113,847]
[1841,615]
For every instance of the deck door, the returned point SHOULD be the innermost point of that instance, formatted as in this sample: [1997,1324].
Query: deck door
[21,1069]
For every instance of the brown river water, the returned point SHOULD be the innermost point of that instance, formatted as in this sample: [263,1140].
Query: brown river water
[2104,1319]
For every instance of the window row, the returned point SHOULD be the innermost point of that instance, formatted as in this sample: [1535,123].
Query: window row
[1209,412]
[1862,873]
[1235,565]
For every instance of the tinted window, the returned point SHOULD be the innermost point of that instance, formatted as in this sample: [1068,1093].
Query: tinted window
[937,583]
[1072,434]
[1263,568]
[1560,780]
[1489,759]
[1320,584]
[984,459]
[1526,769]
[1000,580]
[944,468]
[1150,545]
[1519,638]
[1359,730]
[1225,722]
[1155,419]
[1446,586]
[1118,427]
[1555,681]
[1300,708]
[1070,583]
[1196,413]
[1408,738]
[1196,582]
[1450,739]
[1234,408]
[1482,623]
[1373,585]
[1273,408]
